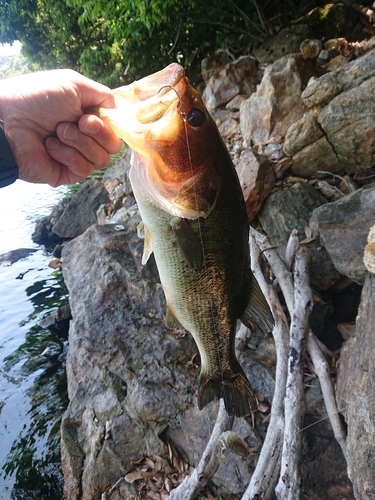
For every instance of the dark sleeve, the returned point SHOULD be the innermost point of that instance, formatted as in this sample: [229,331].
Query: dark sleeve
[8,166]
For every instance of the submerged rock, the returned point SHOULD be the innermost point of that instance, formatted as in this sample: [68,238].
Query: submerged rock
[9,258]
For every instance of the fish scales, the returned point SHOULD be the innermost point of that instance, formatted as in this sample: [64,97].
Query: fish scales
[195,222]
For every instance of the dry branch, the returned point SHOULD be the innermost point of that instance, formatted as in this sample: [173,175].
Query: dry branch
[266,473]
[209,462]
[323,373]
[289,485]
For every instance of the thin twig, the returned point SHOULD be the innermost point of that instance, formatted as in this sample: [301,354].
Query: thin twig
[289,485]
[323,373]
[177,37]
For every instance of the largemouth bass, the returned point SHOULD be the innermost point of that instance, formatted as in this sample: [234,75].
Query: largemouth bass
[195,222]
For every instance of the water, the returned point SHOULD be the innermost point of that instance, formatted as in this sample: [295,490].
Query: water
[32,376]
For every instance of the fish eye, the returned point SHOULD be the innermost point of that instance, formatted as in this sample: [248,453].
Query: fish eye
[196,118]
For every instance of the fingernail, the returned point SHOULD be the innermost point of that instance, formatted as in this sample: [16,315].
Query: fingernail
[70,132]
[91,127]
[52,143]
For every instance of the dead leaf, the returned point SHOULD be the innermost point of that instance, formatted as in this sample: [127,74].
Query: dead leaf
[306,241]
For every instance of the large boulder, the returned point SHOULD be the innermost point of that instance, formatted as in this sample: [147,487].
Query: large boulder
[355,395]
[343,227]
[290,209]
[269,112]
[80,212]
[337,133]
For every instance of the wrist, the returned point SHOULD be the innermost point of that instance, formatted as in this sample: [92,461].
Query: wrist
[8,166]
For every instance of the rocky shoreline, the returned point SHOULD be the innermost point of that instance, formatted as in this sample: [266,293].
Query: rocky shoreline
[300,130]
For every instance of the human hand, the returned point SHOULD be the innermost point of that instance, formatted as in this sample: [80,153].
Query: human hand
[52,139]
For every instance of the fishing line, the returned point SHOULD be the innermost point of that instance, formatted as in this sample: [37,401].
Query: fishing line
[349,405]
[216,332]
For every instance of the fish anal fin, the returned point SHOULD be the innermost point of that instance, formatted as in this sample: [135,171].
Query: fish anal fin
[188,243]
[171,321]
[239,398]
[143,232]
[258,309]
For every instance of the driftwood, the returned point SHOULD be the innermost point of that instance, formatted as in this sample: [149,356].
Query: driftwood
[289,485]
[278,467]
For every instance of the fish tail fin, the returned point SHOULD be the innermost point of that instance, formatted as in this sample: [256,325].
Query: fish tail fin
[239,398]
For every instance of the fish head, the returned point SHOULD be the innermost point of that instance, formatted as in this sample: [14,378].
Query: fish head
[174,141]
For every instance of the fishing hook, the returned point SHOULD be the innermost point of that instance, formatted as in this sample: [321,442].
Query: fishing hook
[182,113]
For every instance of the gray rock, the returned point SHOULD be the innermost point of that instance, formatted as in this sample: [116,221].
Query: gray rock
[80,212]
[343,227]
[318,156]
[8,258]
[302,133]
[287,41]
[356,381]
[237,77]
[43,233]
[124,366]
[275,106]
[321,90]
[348,122]
[291,209]
[58,320]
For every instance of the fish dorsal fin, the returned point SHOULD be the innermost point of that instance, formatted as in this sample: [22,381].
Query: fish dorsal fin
[258,308]
[171,321]
[143,232]
[188,243]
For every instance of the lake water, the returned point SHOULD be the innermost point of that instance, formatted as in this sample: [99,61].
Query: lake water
[32,360]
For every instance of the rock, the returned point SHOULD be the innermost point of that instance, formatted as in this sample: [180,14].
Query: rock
[348,122]
[291,209]
[237,77]
[369,255]
[287,41]
[118,349]
[355,387]
[345,224]
[321,90]
[370,44]
[310,48]
[324,158]
[257,179]
[43,233]
[212,65]
[80,212]
[9,258]
[301,134]
[275,106]
[58,321]
[119,169]
[124,366]
[338,135]
[235,103]
[328,19]
[229,127]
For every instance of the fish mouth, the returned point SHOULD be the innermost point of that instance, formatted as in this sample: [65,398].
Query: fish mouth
[145,102]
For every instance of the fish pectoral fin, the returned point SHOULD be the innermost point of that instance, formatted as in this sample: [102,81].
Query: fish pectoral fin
[143,232]
[171,321]
[188,243]
[258,308]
